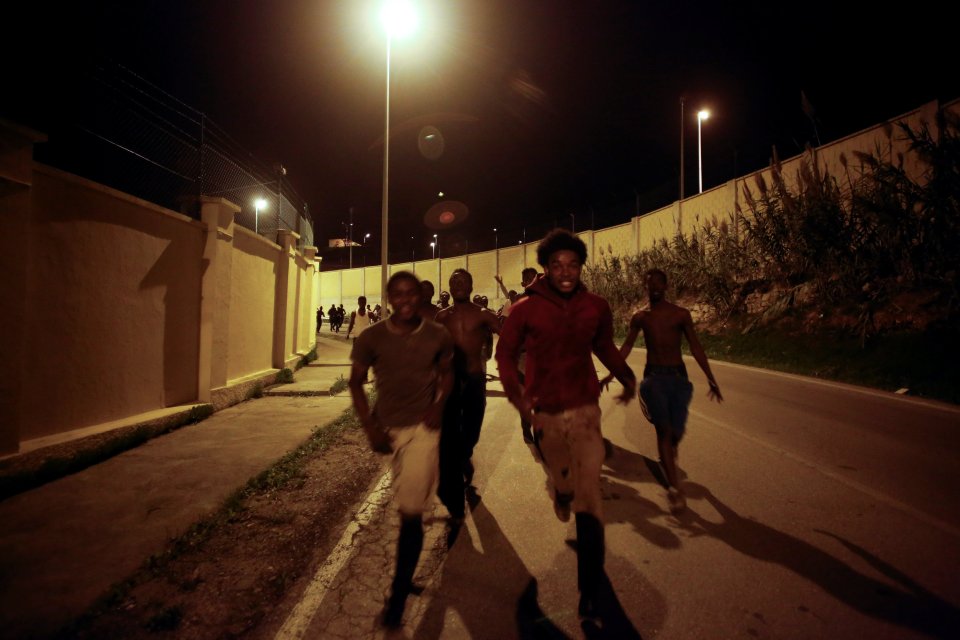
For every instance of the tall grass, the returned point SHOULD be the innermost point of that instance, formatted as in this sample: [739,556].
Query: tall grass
[854,240]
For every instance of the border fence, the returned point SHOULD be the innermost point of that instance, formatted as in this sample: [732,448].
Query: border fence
[133,136]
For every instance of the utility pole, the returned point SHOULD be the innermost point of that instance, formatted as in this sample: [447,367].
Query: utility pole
[350,237]
[681,147]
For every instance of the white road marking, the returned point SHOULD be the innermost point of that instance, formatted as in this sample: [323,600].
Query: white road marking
[876,495]
[298,621]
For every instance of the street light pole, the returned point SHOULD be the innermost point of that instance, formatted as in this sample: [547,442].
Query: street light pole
[398,19]
[702,115]
[433,249]
[682,123]
[437,240]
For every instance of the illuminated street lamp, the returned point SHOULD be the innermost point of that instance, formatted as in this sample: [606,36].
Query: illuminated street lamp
[258,204]
[433,248]
[702,115]
[437,241]
[398,20]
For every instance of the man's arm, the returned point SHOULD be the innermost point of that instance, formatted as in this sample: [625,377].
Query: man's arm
[502,288]
[353,314]
[379,441]
[434,417]
[627,346]
[508,353]
[700,356]
[607,352]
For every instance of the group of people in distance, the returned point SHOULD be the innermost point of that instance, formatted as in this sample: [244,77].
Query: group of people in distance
[429,366]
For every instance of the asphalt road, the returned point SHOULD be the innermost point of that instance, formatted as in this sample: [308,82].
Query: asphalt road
[815,510]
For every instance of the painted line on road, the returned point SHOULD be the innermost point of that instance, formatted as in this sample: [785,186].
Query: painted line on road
[889,395]
[853,484]
[298,622]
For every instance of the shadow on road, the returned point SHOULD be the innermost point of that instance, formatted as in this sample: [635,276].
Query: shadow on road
[479,584]
[910,606]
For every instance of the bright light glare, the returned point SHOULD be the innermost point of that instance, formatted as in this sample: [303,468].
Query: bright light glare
[398,18]
[433,244]
[703,115]
[260,203]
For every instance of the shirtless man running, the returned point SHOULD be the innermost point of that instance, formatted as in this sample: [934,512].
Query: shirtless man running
[471,327]
[665,391]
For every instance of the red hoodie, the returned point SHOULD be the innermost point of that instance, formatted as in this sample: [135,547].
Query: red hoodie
[559,335]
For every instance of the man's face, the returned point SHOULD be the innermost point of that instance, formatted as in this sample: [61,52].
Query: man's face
[656,288]
[563,271]
[404,297]
[426,291]
[444,297]
[460,287]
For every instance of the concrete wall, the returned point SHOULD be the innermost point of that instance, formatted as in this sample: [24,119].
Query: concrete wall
[643,232]
[118,307]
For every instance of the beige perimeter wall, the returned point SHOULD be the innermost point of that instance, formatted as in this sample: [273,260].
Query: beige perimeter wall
[120,308]
[642,232]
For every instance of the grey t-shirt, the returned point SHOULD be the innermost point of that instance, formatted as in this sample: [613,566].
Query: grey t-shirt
[405,367]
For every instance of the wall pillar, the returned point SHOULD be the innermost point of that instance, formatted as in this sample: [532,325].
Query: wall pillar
[311,296]
[217,271]
[284,307]
[16,249]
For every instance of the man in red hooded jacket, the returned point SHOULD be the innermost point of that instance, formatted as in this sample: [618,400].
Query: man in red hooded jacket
[561,325]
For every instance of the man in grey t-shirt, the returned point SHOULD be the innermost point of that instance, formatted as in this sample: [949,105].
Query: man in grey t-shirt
[412,363]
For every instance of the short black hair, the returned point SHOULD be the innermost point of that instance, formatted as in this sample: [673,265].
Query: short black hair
[560,240]
[464,272]
[427,285]
[651,273]
[402,275]
[528,271]
[362,299]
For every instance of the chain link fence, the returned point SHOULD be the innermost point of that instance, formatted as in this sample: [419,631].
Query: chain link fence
[133,136]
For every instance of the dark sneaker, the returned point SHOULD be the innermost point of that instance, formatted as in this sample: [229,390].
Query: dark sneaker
[677,500]
[587,609]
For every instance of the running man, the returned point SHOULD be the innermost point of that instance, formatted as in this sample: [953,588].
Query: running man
[359,319]
[411,359]
[562,325]
[471,328]
[665,392]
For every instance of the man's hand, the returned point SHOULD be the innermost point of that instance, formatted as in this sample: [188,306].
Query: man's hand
[498,278]
[629,392]
[714,392]
[378,438]
[605,382]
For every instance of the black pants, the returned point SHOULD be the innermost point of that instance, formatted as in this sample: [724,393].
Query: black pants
[462,419]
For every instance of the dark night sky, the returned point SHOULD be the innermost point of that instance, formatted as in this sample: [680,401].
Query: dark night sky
[547,107]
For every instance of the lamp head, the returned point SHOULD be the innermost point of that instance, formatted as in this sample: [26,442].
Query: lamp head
[398,18]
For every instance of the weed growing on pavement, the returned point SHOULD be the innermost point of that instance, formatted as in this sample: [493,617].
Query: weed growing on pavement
[308,358]
[256,391]
[284,376]
[338,386]
[281,474]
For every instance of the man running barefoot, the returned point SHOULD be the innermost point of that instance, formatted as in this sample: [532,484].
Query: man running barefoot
[471,328]
[665,391]
[411,358]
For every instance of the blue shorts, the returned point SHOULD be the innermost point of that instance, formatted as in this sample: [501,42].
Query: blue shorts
[664,400]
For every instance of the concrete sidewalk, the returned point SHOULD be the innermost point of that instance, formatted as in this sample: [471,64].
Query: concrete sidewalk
[65,543]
